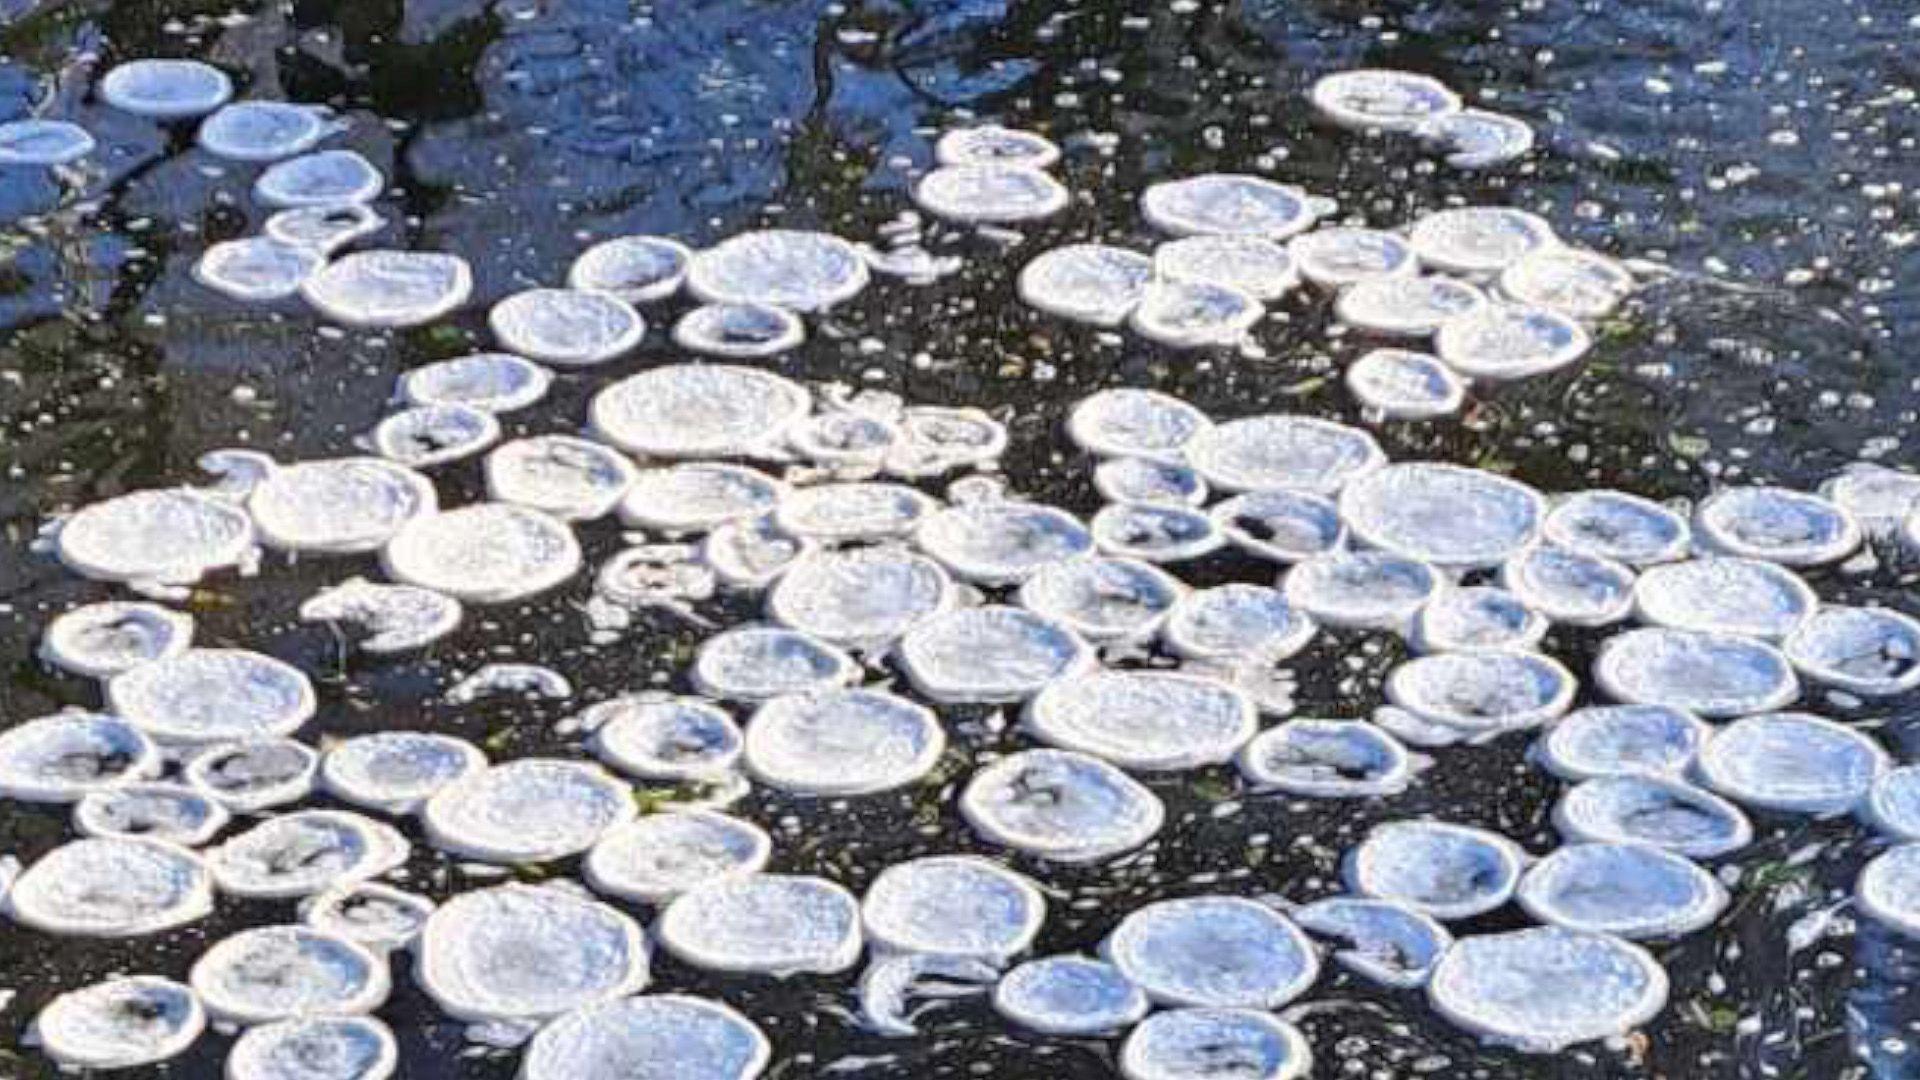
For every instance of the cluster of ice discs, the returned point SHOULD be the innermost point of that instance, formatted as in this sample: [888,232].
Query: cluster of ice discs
[818,502]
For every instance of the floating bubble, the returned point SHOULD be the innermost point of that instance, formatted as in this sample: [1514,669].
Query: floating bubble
[1570,587]
[637,269]
[656,1037]
[121,1023]
[264,130]
[282,972]
[1148,721]
[166,89]
[1405,385]
[1873,652]
[1002,543]
[1792,762]
[303,853]
[1061,806]
[664,738]
[757,663]
[1386,942]
[1131,422]
[1617,740]
[1153,532]
[739,330]
[1447,515]
[488,553]
[1633,891]
[37,142]
[801,271]
[1361,589]
[111,887]
[1195,1044]
[1290,453]
[1143,480]
[315,1048]
[1070,995]
[492,382]
[257,269]
[380,917]
[1478,239]
[1506,341]
[1447,871]
[1334,258]
[994,192]
[325,229]
[393,618]
[1484,691]
[1619,526]
[1777,524]
[1547,988]
[1090,283]
[174,813]
[771,924]
[1381,99]
[385,289]
[1253,265]
[1215,951]
[1405,305]
[325,178]
[526,953]
[1887,888]
[842,742]
[395,772]
[862,598]
[1478,138]
[838,513]
[1327,759]
[991,144]
[429,435]
[1477,617]
[1876,497]
[255,774]
[1664,812]
[104,639]
[1237,622]
[698,410]
[655,858]
[1103,600]
[956,906]
[170,536]
[698,496]
[990,654]
[339,506]
[203,696]
[1228,204]
[531,810]
[1725,595]
[1195,314]
[566,327]
[1575,283]
[753,554]
[844,437]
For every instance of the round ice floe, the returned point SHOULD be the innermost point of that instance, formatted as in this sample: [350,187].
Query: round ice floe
[1619,526]
[698,496]
[1447,515]
[1868,651]
[1220,951]
[168,536]
[1876,497]
[1227,204]
[739,330]
[657,857]
[1483,691]
[1508,341]
[1194,314]
[844,437]
[493,382]
[1477,617]
[1725,595]
[1777,524]
[1002,543]
[1628,890]
[394,618]
[853,511]
[255,774]
[166,89]
[698,410]
[345,505]
[1144,720]
[532,810]
[1131,422]
[1197,1044]
[43,142]
[935,440]
[489,553]
[1615,740]
[566,327]
[1327,759]
[990,654]
[1090,283]
[120,1024]
[203,696]
[1547,988]
[993,192]
[1236,622]
[389,288]
[174,813]
[1478,239]
[315,1048]
[325,229]
[1381,99]
[1144,480]
[1666,813]
[648,1038]
[526,953]
[257,268]
[1336,257]
[1793,762]
[1254,265]
[953,905]
[573,479]
[865,597]
[991,144]
[1888,887]
[1281,526]
[752,554]
[1446,871]
[264,130]
[1403,305]
[771,924]
[111,887]
[842,742]
[326,178]
[1103,600]
[1070,995]
[664,738]
[1573,282]
[429,435]
[235,472]
[102,640]
[1061,806]
[64,757]
[803,271]
[302,853]
[1479,139]
[1361,589]
[378,916]
[756,663]
[1387,942]
[1154,532]
[637,269]
[1570,587]
[1293,453]
[1893,804]
[1405,385]
[396,771]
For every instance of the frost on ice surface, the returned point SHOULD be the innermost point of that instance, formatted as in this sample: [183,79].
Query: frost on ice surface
[992,192]
[1218,951]
[1405,385]
[1237,622]
[1446,871]
[740,331]
[1710,675]
[1103,600]
[566,327]
[255,774]
[1478,139]
[1615,740]
[488,553]
[1483,691]
[1061,806]
[1227,204]
[1336,257]
[495,382]
[755,663]
[1327,759]
[990,654]
[1386,942]
[1382,99]
[1200,1044]
[383,289]
[1002,543]
[395,772]
[1725,595]
[862,598]
[526,811]
[1254,265]
[203,696]
[1070,995]
[1403,305]
[393,618]
[1478,239]
[325,229]
[343,505]
[1569,587]
[111,887]
[33,141]
[772,924]
[663,738]
[1792,762]
[698,410]
[1131,422]
[991,144]
[1360,589]
[378,916]
[803,271]
[954,906]
[1148,721]
[429,435]
[1547,988]
[1869,651]
[525,953]
[1155,532]
[1666,813]
[656,1037]
[637,269]
[1089,283]
[175,813]
[1458,619]
[1192,314]
[1779,525]
[842,742]
[256,269]
[657,857]
[1576,283]
[698,496]
[166,89]
[1293,453]
[168,536]
[1144,480]
[1447,515]
[1616,525]
[121,1023]
[281,972]
[573,479]
[104,639]
[325,178]
[63,757]
[1889,889]
[837,513]
[302,853]
[315,1048]
[1629,890]
[264,131]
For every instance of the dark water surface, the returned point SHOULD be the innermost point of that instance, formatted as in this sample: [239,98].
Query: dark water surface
[1766,144]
